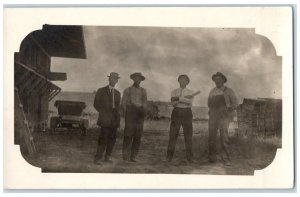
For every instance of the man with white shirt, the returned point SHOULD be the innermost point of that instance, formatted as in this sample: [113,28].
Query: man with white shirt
[107,103]
[181,116]
[222,103]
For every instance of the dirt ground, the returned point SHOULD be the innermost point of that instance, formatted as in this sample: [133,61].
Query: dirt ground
[68,151]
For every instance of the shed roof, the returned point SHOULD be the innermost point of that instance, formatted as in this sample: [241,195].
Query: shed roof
[61,40]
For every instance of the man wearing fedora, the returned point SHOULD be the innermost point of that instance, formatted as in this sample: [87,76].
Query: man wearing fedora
[133,102]
[107,103]
[181,116]
[222,103]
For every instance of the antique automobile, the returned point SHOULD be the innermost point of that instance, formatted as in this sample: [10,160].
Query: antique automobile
[70,116]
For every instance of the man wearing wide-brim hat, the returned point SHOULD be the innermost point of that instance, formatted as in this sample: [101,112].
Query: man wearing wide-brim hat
[107,103]
[133,102]
[222,103]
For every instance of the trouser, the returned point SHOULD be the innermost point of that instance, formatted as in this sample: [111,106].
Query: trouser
[181,117]
[134,122]
[106,142]
[218,120]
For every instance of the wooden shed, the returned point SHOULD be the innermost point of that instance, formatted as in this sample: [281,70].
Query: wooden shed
[262,116]
[33,77]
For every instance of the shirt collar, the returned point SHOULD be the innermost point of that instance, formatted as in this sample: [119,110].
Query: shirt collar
[221,88]
[110,87]
[136,87]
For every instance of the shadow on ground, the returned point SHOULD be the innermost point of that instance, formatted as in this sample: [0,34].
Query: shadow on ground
[71,152]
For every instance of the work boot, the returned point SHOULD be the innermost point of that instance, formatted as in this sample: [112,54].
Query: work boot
[132,160]
[107,159]
[212,158]
[97,161]
[227,163]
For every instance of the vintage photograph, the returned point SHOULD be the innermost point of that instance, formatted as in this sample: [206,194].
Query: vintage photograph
[147,100]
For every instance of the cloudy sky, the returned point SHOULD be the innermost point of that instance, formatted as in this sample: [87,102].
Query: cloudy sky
[248,60]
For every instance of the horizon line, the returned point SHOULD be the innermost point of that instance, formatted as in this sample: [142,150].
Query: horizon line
[148,100]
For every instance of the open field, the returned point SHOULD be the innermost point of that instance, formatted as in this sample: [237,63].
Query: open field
[87,97]
[68,151]
[71,152]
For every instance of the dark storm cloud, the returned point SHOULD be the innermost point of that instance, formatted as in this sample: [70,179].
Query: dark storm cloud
[247,59]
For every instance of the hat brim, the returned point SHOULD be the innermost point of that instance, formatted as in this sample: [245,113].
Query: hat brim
[114,77]
[224,78]
[133,76]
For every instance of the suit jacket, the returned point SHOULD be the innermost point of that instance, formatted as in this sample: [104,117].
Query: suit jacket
[108,117]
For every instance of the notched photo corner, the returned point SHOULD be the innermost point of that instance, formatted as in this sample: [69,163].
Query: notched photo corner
[159,100]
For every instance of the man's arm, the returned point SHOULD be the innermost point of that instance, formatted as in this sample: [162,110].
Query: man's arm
[97,101]
[118,109]
[209,99]
[233,99]
[192,95]
[118,94]
[124,99]
[174,103]
[144,98]
[185,100]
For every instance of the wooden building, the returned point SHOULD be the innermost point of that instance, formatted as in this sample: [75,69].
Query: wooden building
[32,74]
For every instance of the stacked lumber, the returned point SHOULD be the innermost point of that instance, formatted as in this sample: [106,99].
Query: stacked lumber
[260,116]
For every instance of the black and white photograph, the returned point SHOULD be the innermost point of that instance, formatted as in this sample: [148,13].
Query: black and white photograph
[149,100]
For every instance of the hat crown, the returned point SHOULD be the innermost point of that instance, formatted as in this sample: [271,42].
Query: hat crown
[137,74]
[185,76]
[114,74]
[219,74]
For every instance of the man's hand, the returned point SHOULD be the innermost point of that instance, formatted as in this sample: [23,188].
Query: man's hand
[175,103]
[192,96]
[173,99]
[189,96]
[230,108]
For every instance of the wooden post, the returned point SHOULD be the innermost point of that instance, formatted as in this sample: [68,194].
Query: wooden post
[45,89]
[39,87]
[21,79]
[26,84]
[34,85]
[25,132]
[17,69]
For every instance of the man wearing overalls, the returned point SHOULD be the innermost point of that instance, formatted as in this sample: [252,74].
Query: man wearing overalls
[222,103]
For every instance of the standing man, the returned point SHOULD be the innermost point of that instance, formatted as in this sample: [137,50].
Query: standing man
[221,102]
[182,99]
[134,102]
[107,103]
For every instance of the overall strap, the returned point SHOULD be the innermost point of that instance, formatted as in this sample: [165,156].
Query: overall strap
[129,96]
[227,99]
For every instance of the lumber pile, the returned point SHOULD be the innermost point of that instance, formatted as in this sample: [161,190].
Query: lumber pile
[262,116]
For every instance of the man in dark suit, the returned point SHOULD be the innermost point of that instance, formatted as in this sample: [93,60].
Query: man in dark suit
[107,103]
